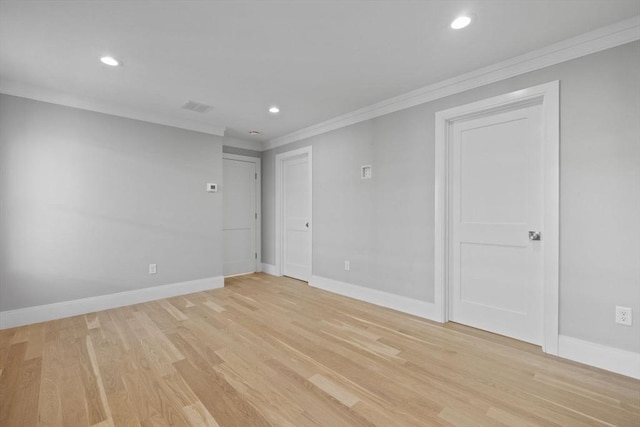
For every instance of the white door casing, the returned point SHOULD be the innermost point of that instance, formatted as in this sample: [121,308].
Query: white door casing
[241,214]
[478,231]
[293,213]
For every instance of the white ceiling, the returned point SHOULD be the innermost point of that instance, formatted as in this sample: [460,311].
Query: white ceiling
[314,59]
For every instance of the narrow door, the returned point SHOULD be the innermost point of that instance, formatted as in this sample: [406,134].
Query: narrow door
[239,217]
[296,215]
[497,215]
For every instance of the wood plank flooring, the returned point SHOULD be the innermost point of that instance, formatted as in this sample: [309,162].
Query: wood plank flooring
[267,351]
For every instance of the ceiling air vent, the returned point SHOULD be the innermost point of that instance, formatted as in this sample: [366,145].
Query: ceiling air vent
[197,107]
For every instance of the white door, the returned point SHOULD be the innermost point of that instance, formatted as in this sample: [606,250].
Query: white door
[296,208]
[239,217]
[497,199]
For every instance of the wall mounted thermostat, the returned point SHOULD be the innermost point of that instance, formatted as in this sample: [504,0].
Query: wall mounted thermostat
[212,188]
[365,173]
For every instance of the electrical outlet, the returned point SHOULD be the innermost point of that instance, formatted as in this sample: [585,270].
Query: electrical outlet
[153,268]
[624,315]
[347,265]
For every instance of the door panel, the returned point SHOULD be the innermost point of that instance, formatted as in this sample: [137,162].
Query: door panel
[479,283]
[297,213]
[239,217]
[493,174]
[496,270]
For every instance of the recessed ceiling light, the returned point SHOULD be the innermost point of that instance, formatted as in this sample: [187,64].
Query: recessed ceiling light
[108,60]
[274,110]
[460,22]
[254,132]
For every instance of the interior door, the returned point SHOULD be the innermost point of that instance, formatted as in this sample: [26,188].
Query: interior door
[497,194]
[296,186]
[239,217]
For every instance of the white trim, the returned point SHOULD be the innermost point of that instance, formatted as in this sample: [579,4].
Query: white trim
[280,159]
[610,358]
[593,354]
[23,90]
[246,273]
[426,310]
[230,141]
[594,41]
[242,158]
[270,269]
[258,162]
[548,95]
[59,310]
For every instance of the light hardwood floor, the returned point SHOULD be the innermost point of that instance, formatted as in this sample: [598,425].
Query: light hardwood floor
[273,351]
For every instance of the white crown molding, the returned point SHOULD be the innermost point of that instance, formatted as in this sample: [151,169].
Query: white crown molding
[59,310]
[595,41]
[604,357]
[424,309]
[23,90]
[604,38]
[243,143]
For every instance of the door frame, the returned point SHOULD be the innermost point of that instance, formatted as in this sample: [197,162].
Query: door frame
[258,163]
[280,159]
[548,96]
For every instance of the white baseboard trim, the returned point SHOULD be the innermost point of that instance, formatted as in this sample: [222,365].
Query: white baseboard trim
[603,357]
[426,310]
[59,310]
[609,358]
[270,269]
[241,274]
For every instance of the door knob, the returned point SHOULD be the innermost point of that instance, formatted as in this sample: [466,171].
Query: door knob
[307,225]
[535,235]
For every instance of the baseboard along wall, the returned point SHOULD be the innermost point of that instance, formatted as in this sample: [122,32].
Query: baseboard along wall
[593,354]
[424,309]
[601,356]
[270,269]
[59,310]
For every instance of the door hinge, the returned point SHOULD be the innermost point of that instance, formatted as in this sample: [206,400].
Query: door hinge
[256,175]
[256,255]
[256,215]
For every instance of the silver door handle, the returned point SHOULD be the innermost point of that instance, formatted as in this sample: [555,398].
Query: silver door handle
[535,235]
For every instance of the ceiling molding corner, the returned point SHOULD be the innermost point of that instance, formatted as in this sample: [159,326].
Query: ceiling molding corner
[243,143]
[594,41]
[23,90]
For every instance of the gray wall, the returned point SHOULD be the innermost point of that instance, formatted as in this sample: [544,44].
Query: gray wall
[88,201]
[385,226]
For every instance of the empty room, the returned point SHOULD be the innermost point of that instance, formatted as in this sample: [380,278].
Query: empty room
[320,213]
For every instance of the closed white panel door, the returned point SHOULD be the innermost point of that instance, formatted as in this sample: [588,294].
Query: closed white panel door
[239,223]
[497,194]
[297,215]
